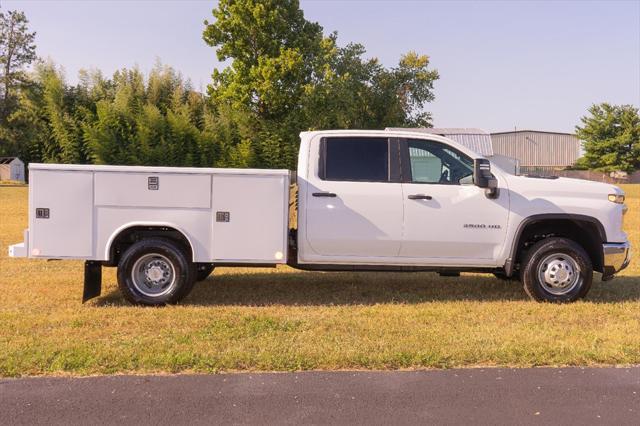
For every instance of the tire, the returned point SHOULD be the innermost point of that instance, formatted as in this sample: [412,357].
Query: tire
[155,272]
[203,271]
[556,270]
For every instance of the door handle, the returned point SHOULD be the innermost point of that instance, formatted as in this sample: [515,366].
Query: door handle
[420,197]
[323,194]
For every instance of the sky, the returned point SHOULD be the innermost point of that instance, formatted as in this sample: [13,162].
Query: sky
[503,65]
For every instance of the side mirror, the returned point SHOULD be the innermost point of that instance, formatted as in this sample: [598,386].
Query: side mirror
[483,178]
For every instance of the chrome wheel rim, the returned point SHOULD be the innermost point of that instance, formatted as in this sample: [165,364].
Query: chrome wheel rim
[153,275]
[559,274]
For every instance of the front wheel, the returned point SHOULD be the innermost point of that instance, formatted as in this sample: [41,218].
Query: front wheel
[556,270]
[155,272]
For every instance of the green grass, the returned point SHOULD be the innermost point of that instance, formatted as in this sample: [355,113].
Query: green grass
[281,319]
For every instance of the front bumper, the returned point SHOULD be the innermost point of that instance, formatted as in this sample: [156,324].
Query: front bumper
[616,257]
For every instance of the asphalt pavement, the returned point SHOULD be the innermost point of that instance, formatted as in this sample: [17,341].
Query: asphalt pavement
[461,396]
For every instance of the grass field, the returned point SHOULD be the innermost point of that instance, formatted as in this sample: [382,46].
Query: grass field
[266,319]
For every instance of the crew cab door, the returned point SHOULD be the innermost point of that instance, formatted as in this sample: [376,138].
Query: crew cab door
[353,202]
[447,217]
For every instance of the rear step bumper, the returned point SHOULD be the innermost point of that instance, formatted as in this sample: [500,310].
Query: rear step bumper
[20,249]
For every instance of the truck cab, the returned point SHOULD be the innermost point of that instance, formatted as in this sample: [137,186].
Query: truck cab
[393,199]
[366,200]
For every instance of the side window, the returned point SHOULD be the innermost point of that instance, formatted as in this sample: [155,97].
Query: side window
[355,159]
[434,162]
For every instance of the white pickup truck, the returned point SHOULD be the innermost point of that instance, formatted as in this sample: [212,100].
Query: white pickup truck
[366,200]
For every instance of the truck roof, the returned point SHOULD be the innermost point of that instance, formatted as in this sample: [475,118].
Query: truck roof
[403,133]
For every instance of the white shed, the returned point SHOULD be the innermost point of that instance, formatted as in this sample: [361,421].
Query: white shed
[11,168]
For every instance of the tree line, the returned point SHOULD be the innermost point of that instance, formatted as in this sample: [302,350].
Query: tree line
[285,76]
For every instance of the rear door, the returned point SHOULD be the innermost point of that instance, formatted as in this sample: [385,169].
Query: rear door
[354,199]
[446,216]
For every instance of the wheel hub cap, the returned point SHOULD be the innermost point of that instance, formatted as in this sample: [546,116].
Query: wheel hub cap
[153,275]
[157,272]
[559,273]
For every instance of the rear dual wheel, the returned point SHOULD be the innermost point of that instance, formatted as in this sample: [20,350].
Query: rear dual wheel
[155,272]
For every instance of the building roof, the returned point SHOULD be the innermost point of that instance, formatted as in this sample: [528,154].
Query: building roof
[532,131]
[7,160]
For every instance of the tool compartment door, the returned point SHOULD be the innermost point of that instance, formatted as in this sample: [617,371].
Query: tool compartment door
[250,218]
[152,189]
[61,214]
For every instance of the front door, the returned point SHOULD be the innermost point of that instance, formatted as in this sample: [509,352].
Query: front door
[445,215]
[354,200]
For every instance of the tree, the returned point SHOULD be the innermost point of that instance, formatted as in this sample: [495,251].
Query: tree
[285,76]
[358,93]
[25,132]
[272,48]
[126,119]
[154,121]
[612,138]
[62,105]
[17,49]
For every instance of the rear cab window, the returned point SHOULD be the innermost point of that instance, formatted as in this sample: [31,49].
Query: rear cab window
[355,159]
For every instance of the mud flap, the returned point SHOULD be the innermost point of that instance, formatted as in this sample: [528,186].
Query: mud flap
[608,273]
[92,280]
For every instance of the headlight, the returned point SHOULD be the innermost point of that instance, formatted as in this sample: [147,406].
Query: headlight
[615,198]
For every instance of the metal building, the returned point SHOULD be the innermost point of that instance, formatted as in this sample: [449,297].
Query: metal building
[538,151]
[477,140]
[11,168]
